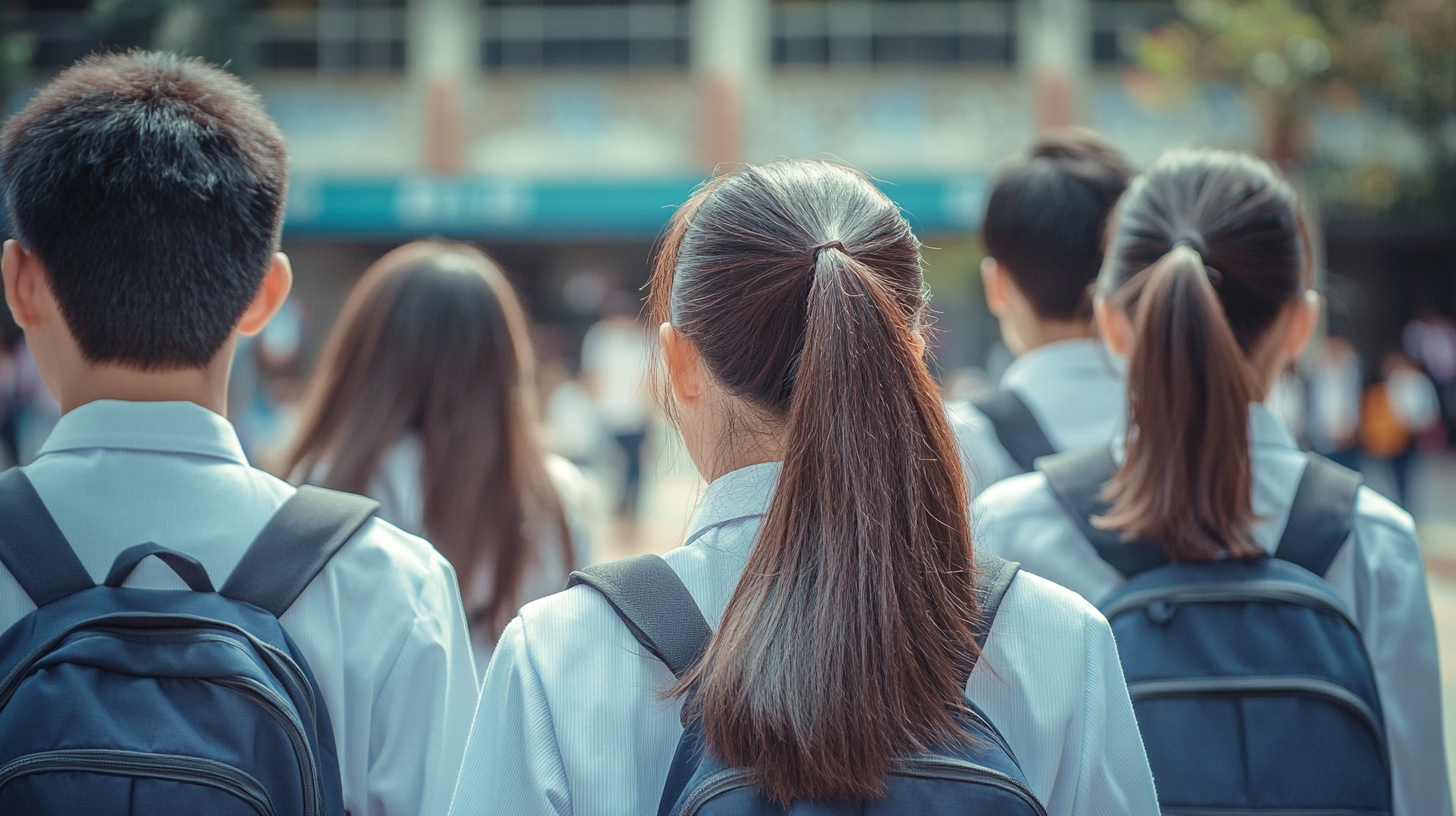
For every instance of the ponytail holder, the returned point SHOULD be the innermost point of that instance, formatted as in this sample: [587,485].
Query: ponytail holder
[1193,240]
[828,245]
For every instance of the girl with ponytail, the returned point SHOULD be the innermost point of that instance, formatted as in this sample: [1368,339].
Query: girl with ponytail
[1205,290]
[831,553]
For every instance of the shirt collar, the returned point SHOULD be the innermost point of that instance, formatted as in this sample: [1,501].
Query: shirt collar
[735,495]
[168,427]
[1265,430]
[1060,361]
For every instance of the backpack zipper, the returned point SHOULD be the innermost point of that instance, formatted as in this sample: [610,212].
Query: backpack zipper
[1226,686]
[188,770]
[117,622]
[924,767]
[266,699]
[1286,591]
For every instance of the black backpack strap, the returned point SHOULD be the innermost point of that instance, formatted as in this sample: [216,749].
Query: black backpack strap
[660,612]
[32,546]
[295,545]
[1076,479]
[1322,516]
[1016,428]
[995,579]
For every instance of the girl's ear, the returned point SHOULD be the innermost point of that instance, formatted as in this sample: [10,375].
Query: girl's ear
[1114,326]
[684,365]
[1299,327]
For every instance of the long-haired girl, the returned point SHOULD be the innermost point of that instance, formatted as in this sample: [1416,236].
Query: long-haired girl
[831,552]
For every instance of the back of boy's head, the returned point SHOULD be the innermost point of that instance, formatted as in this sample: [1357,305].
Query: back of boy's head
[151,187]
[1046,215]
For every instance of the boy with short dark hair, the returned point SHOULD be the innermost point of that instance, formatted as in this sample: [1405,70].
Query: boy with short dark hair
[1043,234]
[146,194]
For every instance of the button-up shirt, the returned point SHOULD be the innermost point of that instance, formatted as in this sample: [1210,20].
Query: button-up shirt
[381,627]
[572,720]
[1074,388]
[1378,573]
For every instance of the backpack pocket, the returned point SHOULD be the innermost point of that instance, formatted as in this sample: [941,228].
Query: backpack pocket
[100,779]
[1263,745]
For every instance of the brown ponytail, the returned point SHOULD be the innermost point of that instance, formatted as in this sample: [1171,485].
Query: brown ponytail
[848,640]
[1205,251]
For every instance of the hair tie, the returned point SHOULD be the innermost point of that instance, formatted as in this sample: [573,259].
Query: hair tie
[1193,240]
[828,245]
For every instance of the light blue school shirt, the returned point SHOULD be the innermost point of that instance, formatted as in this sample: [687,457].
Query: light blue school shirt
[571,719]
[381,627]
[1378,573]
[1074,388]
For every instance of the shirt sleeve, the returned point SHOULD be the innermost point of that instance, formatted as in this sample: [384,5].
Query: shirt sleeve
[416,738]
[1114,777]
[513,764]
[1400,636]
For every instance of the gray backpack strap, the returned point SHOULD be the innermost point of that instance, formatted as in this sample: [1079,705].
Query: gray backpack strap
[659,611]
[1077,479]
[1322,516]
[995,579]
[1016,428]
[295,545]
[32,546]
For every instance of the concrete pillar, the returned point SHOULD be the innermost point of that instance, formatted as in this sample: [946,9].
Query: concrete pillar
[1054,50]
[730,53]
[443,58]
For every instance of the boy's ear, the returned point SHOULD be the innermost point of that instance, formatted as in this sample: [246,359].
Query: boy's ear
[276,286]
[27,291]
[995,281]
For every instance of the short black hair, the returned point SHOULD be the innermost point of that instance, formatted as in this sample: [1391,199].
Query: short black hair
[1046,215]
[152,188]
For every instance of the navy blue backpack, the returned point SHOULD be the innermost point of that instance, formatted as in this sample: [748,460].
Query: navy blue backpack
[116,700]
[980,776]
[1249,678]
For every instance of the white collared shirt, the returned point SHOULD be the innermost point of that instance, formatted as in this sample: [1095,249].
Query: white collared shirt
[1074,388]
[1378,573]
[381,627]
[571,720]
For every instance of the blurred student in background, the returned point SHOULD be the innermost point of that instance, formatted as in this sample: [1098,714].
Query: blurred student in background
[614,357]
[1205,291]
[425,400]
[831,551]
[1398,414]
[1043,239]
[1335,385]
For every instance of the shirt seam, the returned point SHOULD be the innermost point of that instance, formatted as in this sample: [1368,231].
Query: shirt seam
[526,642]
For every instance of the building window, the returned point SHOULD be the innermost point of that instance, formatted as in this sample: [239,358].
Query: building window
[916,32]
[531,35]
[1117,25]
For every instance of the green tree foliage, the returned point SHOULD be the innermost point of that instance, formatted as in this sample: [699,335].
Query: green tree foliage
[1288,54]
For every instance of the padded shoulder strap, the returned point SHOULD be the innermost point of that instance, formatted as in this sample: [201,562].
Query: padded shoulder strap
[295,545]
[1322,516]
[1016,428]
[1076,479]
[32,546]
[996,576]
[660,612]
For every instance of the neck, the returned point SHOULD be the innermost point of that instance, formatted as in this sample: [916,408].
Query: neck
[206,386]
[1045,332]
